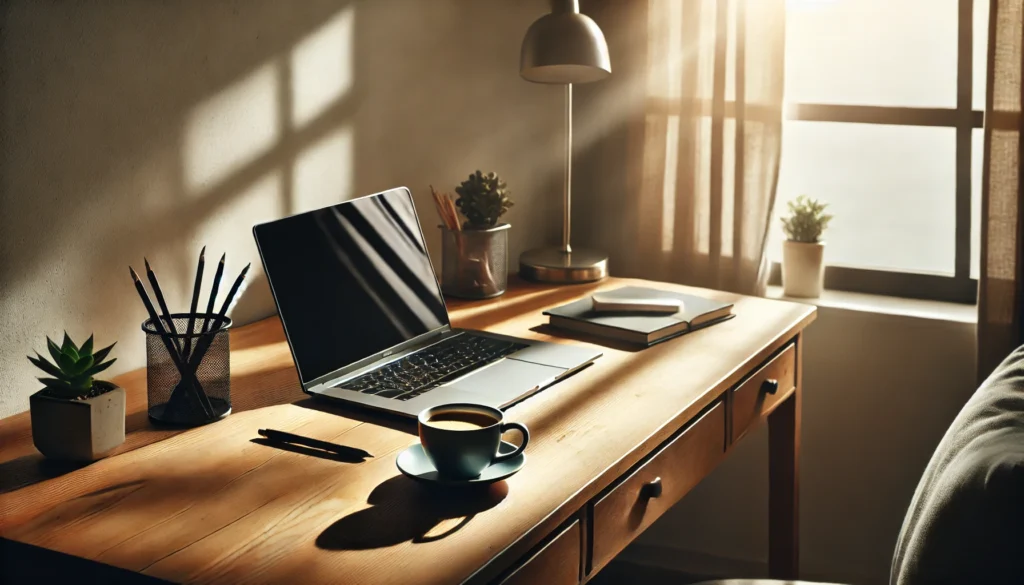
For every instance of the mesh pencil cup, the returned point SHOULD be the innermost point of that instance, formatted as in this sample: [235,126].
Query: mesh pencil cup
[188,369]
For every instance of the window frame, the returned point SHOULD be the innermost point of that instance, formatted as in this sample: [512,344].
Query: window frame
[960,287]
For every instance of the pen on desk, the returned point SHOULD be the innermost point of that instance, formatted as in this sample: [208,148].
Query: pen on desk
[283,437]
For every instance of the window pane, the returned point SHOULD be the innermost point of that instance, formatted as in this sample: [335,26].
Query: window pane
[980,41]
[977,164]
[872,52]
[891,189]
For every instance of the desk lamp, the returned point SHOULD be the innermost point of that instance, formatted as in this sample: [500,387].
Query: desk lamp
[564,47]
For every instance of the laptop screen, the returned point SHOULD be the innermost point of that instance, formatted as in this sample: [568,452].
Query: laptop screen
[351,280]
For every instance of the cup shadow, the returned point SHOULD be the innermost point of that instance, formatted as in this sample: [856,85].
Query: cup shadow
[404,510]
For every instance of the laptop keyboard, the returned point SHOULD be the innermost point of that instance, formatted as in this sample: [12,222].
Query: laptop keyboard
[421,372]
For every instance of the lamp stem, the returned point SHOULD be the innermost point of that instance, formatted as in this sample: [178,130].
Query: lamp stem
[567,194]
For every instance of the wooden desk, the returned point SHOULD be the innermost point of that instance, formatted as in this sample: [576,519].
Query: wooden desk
[211,505]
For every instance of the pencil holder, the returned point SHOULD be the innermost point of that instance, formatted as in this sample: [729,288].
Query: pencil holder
[190,386]
[474,263]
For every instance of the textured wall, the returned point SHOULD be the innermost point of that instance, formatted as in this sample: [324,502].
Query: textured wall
[132,128]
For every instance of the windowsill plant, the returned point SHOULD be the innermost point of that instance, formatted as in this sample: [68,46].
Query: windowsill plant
[803,252]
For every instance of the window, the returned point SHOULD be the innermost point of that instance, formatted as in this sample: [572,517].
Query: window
[884,112]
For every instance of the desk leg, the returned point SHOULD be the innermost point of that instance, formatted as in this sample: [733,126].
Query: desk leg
[784,483]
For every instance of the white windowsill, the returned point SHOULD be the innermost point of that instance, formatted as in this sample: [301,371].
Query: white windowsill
[886,305]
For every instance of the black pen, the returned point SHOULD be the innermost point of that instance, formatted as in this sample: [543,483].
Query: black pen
[283,437]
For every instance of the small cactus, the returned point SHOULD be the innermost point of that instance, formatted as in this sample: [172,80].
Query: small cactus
[73,369]
[483,199]
[807,220]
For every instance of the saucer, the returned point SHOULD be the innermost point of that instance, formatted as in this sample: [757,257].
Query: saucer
[413,462]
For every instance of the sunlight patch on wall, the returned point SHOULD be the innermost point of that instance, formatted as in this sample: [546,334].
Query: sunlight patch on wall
[262,201]
[322,67]
[668,195]
[323,171]
[230,129]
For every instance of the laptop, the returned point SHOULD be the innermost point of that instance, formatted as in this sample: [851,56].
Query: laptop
[366,323]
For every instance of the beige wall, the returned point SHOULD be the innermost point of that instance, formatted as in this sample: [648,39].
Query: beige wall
[133,128]
[880,390]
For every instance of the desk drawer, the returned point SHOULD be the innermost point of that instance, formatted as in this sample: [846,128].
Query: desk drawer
[556,563]
[643,496]
[763,391]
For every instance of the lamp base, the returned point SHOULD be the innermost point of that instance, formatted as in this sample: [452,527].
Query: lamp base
[554,265]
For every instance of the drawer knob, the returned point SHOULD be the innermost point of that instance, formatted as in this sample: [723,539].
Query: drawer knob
[652,489]
[770,386]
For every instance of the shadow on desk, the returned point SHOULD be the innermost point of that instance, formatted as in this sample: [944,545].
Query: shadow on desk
[30,469]
[403,510]
[366,415]
[24,563]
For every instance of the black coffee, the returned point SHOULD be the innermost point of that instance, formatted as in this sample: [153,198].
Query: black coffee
[461,421]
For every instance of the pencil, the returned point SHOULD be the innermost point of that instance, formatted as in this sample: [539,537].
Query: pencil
[163,304]
[213,292]
[455,214]
[231,293]
[206,340]
[162,334]
[195,304]
[441,210]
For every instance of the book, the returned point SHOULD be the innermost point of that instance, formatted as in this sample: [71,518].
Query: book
[638,328]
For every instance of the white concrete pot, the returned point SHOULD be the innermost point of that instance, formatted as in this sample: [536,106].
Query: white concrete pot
[803,269]
[78,430]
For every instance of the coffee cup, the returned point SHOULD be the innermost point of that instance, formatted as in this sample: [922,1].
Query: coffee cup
[462,440]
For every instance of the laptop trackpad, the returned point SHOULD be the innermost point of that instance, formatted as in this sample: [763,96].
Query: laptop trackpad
[508,379]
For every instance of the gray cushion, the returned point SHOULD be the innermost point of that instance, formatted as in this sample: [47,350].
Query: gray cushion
[966,521]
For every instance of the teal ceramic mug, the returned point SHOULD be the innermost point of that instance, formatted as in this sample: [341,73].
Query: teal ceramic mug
[461,440]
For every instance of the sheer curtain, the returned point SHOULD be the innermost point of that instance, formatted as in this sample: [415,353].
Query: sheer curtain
[1000,288]
[700,149]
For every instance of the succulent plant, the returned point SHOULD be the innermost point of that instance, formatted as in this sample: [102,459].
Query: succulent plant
[73,369]
[483,199]
[807,220]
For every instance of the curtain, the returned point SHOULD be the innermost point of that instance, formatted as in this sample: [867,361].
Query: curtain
[689,184]
[1000,286]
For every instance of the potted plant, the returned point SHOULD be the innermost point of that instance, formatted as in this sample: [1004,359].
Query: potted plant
[475,253]
[76,417]
[803,268]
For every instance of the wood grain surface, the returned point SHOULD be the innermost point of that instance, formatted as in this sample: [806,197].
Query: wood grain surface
[210,504]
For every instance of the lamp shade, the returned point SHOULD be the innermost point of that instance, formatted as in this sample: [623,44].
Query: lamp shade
[564,47]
